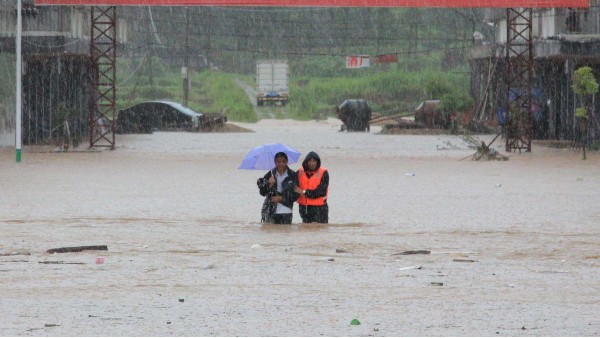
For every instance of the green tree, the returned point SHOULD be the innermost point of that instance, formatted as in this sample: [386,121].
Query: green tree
[437,88]
[585,86]
[452,103]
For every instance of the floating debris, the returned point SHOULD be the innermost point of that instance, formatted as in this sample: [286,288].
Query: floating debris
[484,152]
[552,271]
[78,248]
[16,253]
[413,252]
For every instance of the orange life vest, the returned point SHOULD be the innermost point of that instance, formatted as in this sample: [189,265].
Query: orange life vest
[311,184]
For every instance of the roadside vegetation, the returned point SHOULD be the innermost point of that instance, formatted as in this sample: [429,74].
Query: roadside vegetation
[317,86]
[431,46]
[7,87]
[210,91]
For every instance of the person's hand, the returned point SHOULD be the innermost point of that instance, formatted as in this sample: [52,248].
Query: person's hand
[277,199]
[297,190]
[271,181]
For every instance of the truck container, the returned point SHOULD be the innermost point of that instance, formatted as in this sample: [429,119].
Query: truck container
[272,81]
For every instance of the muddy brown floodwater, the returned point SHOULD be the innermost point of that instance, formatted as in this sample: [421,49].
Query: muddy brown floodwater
[514,245]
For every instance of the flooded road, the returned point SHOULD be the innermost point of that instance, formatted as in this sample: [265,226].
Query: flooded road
[514,245]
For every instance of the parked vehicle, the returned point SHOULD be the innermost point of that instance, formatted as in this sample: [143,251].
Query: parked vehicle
[355,114]
[272,81]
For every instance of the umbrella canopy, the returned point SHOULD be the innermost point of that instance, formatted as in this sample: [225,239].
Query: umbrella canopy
[263,157]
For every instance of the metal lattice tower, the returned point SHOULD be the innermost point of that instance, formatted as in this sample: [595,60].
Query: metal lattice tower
[103,58]
[519,79]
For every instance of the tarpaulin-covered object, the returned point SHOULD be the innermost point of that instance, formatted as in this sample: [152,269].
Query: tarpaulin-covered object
[332,3]
[355,114]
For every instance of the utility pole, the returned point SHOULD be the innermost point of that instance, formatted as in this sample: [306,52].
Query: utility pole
[19,102]
[184,69]
[153,35]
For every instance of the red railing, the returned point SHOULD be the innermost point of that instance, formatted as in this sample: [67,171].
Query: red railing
[331,3]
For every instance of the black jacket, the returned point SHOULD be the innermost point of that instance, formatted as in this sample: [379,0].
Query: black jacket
[321,190]
[288,185]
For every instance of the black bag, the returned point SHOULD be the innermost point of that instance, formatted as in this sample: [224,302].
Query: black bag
[268,209]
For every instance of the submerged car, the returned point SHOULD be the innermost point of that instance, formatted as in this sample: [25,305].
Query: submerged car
[146,117]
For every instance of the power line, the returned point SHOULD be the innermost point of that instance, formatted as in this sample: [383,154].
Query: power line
[310,53]
[51,46]
[303,39]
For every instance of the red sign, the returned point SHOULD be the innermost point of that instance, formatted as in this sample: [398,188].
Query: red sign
[331,3]
[386,58]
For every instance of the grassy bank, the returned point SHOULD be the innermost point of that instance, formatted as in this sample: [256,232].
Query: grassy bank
[389,89]
[210,91]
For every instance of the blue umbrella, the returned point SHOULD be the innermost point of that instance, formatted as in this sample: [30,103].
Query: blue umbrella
[263,157]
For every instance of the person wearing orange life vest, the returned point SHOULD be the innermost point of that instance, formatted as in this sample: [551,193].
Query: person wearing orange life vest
[313,187]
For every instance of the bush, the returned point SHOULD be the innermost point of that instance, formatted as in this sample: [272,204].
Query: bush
[436,88]
[227,95]
[455,102]
[302,105]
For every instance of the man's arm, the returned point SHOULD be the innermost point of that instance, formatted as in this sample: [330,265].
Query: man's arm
[295,183]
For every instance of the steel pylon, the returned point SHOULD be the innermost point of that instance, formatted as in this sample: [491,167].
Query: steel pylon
[519,79]
[103,59]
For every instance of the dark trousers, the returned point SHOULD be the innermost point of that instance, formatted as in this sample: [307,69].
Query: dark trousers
[313,213]
[281,218]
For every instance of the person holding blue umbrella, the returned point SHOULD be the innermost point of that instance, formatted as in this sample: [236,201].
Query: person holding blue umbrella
[278,188]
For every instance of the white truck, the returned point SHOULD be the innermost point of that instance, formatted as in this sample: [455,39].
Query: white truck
[272,81]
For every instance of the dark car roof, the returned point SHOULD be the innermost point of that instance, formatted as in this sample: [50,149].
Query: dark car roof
[177,106]
[148,116]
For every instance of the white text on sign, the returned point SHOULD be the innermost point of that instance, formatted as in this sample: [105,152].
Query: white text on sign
[358,61]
